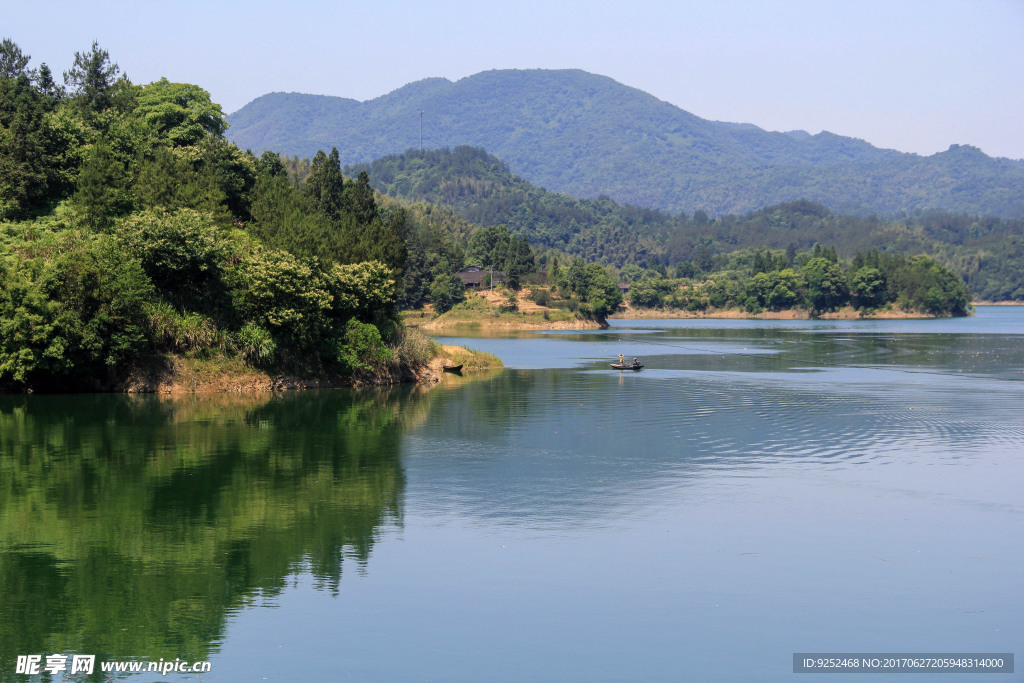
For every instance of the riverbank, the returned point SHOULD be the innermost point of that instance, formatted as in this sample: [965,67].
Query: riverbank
[845,313]
[489,310]
[180,374]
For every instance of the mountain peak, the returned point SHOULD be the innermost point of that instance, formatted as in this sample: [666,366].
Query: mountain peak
[587,135]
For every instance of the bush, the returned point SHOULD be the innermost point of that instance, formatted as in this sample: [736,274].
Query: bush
[174,331]
[255,344]
[283,294]
[181,252]
[510,305]
[541,297]
[362,348]
[415,348]
[694,305]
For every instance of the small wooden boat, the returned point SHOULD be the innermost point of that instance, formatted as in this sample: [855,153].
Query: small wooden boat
[452,368]
[627,366]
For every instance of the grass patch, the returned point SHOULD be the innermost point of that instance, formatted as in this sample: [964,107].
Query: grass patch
[470,359]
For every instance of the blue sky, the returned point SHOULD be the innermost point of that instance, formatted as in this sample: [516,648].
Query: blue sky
[910,75]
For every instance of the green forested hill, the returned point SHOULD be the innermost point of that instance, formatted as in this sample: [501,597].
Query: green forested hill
[987,252]
[587,135]
[134,236]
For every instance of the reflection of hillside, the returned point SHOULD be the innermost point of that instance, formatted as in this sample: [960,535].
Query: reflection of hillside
[131,526]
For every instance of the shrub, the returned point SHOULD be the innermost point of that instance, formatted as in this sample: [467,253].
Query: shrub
[511,304]
[414,347]
[255,344]
[362,348]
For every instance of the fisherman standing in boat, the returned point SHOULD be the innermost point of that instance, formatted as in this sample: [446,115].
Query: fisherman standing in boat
[621,359]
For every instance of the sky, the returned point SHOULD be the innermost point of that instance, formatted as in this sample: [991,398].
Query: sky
[911,75]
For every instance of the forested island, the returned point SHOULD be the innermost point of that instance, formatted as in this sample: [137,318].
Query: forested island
[139,247]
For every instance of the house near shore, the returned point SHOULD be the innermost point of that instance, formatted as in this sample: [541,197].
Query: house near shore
[473,277]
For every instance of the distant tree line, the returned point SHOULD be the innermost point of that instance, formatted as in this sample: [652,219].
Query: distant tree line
[758,280]
[987,252]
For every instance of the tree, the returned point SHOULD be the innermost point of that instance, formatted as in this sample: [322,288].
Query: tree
[447,291]
[285,295]
[785,285]
[489,246]
[232,172]
[74,313]
[283,218]
[602,295]
[169,180]
[25,166]
[182,252]
[358,196]
[103,192]
[12,61]
[572,280]
[37,158]
[644,294]
[46,86]
[363,290]
[180,114]
[826,286]
[519,261]
[270,165]
[325,185]
[867,286]
[92,79]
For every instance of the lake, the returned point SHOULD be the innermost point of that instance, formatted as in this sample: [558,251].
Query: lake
[761,488]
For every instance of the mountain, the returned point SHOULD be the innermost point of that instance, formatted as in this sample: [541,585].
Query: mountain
[587,135]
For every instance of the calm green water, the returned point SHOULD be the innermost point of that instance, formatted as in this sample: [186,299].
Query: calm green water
[760,489]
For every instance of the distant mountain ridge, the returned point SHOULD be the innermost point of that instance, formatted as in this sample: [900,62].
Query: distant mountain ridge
[988,252]
[587,135]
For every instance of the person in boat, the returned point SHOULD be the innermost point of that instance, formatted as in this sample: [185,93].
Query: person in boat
[636,362]
[621,361]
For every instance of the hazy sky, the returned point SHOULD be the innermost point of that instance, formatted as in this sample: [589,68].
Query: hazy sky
[912,75]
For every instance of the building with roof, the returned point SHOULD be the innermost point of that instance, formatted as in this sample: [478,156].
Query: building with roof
[473,277]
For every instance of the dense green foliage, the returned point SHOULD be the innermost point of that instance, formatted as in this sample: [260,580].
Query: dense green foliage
[987,252]
[596,291]
[134,228]
[587,136]
[496,247]
[757,280]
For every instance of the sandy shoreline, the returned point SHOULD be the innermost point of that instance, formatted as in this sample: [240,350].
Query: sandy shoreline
[507,324]
[847,313]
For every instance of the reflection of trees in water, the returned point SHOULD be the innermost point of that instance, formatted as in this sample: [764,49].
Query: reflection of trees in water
[483,404]
[131,526]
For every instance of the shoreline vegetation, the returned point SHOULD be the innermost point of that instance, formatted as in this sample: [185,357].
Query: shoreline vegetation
[141,251]
[178,374]
[474,315]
